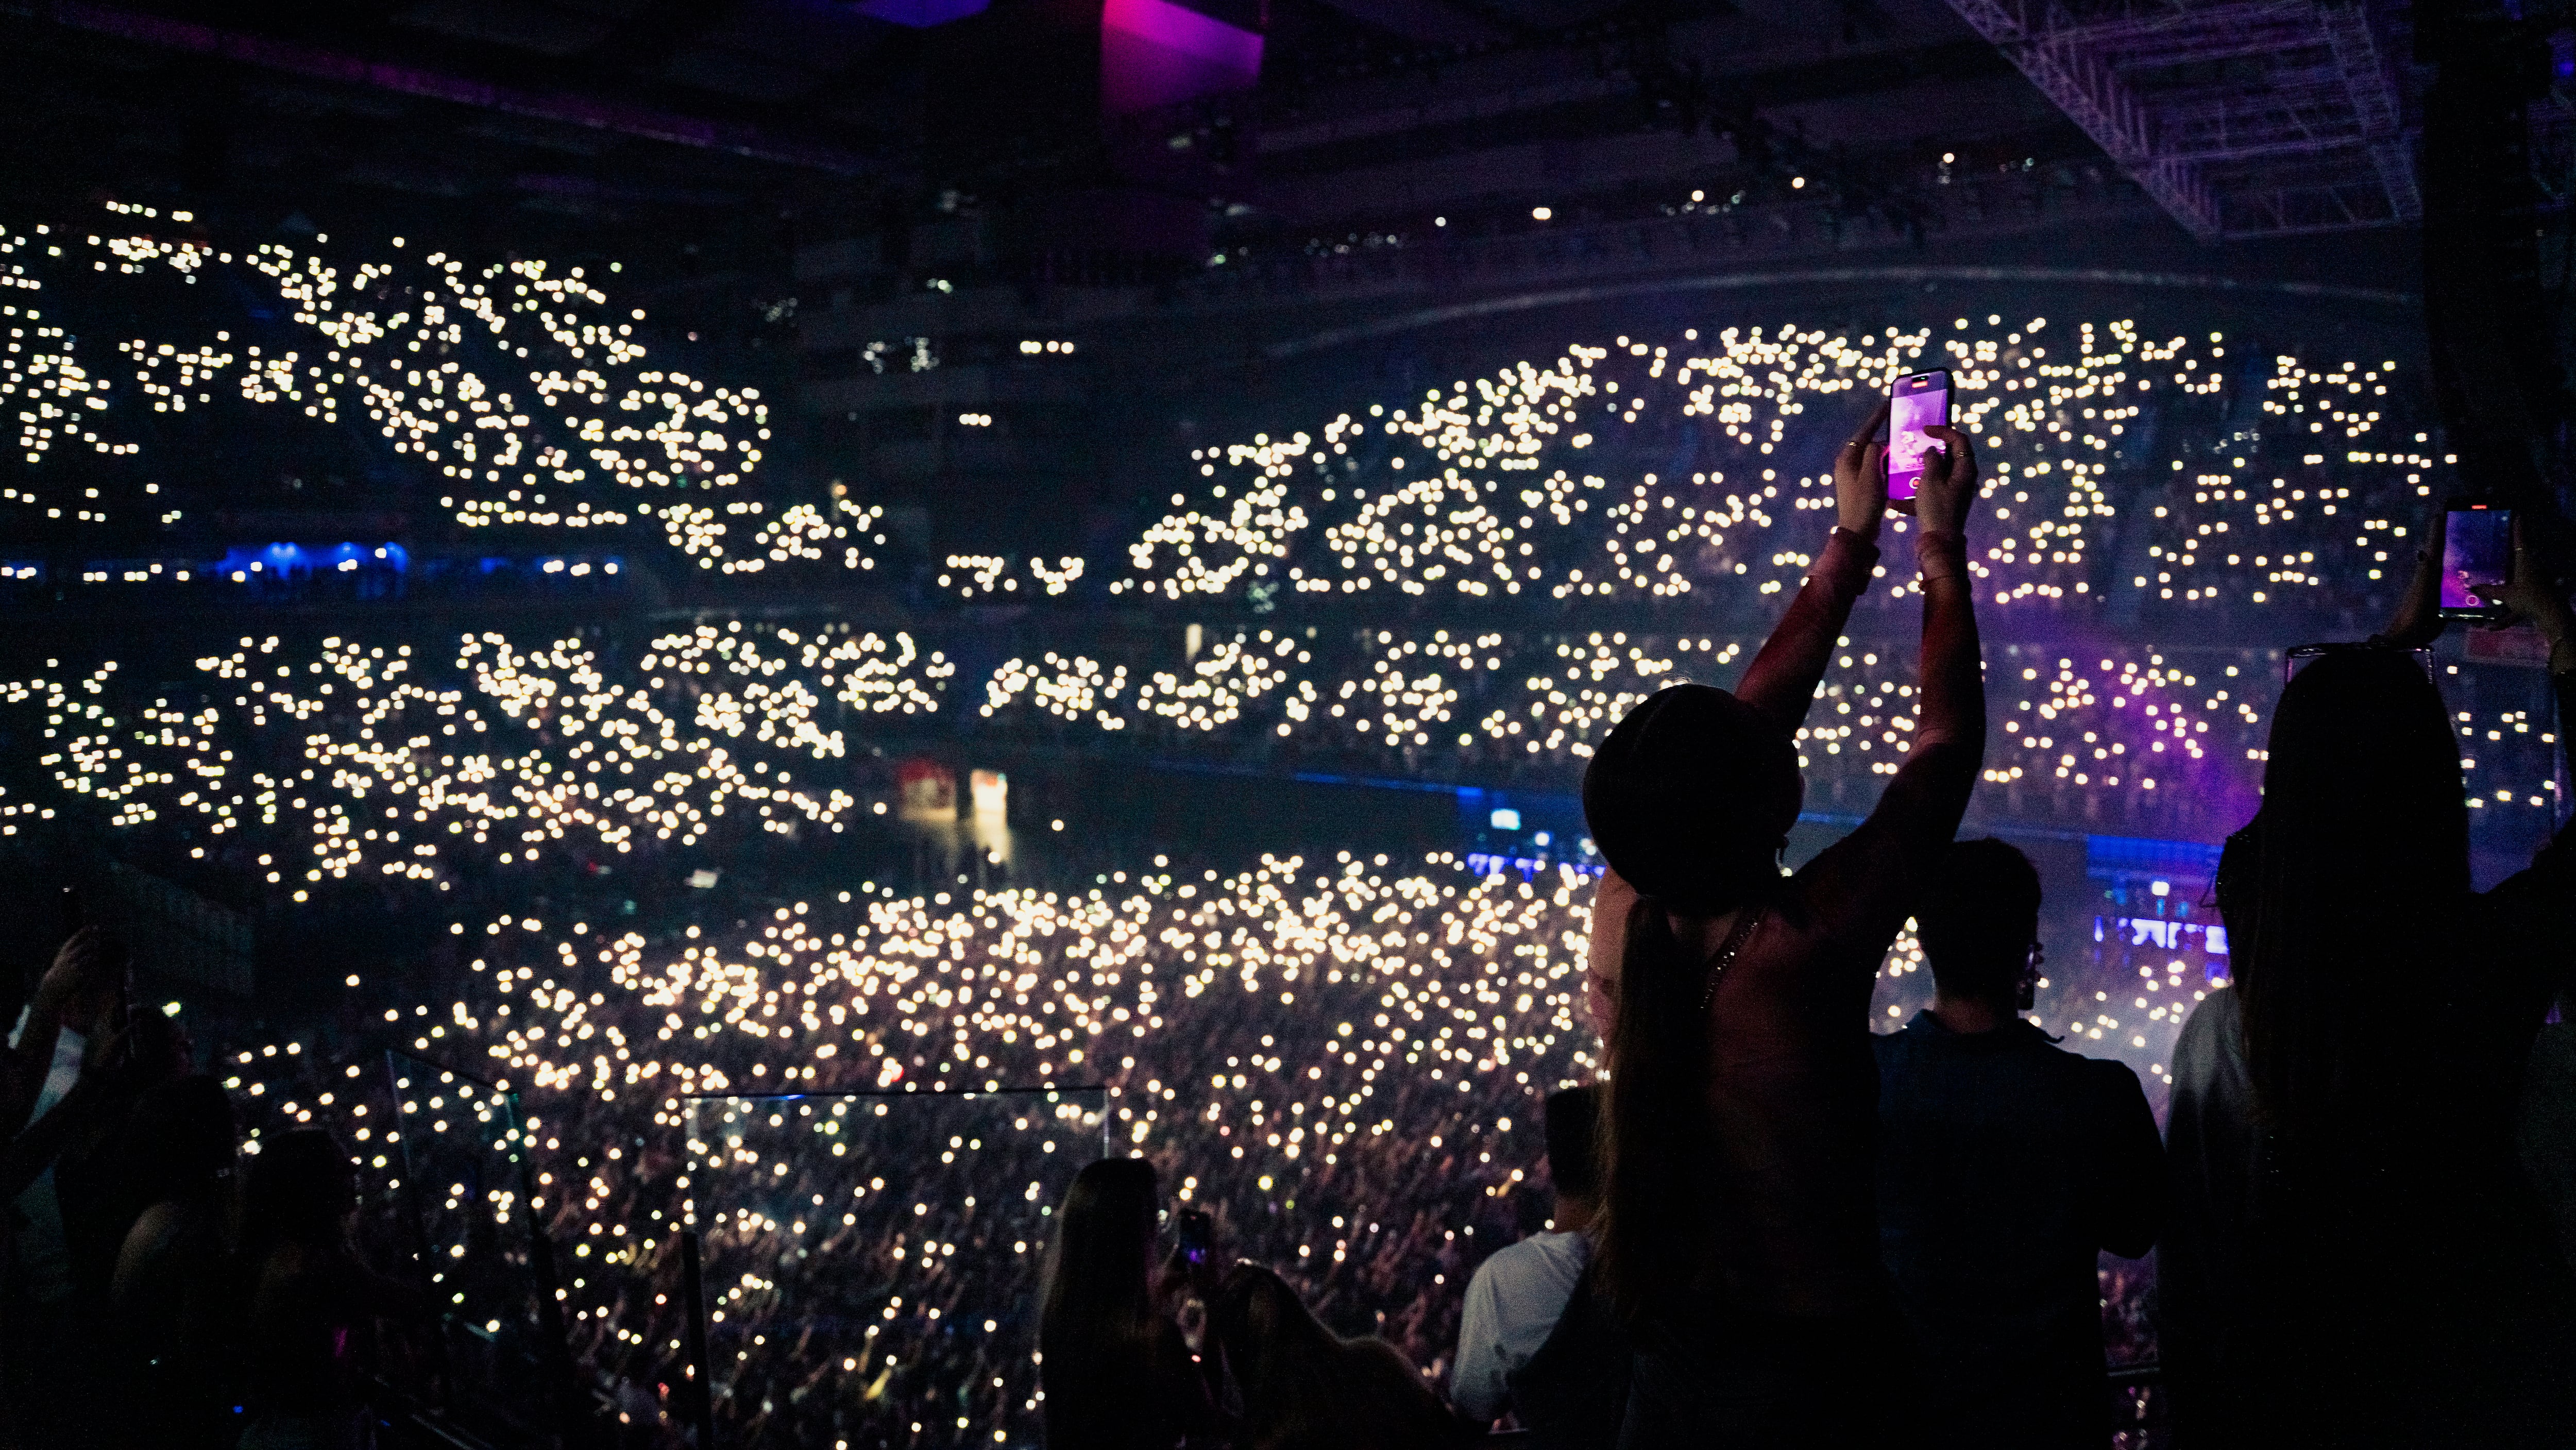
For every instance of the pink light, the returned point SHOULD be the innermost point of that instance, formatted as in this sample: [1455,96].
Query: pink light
[1154,53]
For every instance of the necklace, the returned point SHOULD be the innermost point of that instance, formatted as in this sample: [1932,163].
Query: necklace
[1727,951]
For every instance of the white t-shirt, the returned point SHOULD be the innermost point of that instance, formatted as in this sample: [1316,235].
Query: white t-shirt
[1513,1304]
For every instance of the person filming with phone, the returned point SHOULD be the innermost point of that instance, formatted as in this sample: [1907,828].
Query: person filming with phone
[2357,1256]
[1737,1238]
[1117,1371]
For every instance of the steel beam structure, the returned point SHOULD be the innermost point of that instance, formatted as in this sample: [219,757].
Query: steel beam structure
[2239,117]
[2374,103]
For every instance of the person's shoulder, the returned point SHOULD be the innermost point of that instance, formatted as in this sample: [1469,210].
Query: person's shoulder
[2109,1074]
[1898,1047]
[2105,1084]
[1924,1030]
[1561,1249]
[2211,1025]
[2553,1052]
[1539,1257]
[1518,1256]
[2097,1072]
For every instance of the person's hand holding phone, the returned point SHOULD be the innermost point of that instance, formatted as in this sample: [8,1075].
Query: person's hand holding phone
[1949,484]
[86,976]
[2417,621]
[1860,479]
[2528,594]
[1191,1269]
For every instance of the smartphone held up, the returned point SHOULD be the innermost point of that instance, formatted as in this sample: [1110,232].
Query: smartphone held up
[2477,558]
[1197,1236]
[1916,403]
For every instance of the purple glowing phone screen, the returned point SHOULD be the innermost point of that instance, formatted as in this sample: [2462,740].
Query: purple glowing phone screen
[1914,404]
[2477,553]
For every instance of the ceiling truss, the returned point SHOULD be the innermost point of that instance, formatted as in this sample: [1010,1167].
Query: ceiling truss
[2241,118]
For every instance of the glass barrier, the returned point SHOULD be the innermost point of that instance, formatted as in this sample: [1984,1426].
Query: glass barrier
[872,1261]
[462,1209]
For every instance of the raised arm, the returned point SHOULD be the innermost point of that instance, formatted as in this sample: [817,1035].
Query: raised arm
[1874,869]
[74,992]
[2538,905]
[1781,681]
[1950,733]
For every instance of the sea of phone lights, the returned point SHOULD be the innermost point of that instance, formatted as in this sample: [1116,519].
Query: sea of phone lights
[1382,1025]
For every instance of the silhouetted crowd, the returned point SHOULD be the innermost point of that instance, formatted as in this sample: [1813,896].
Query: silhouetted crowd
[1775,1229]
[1770,1226]
[156,1293]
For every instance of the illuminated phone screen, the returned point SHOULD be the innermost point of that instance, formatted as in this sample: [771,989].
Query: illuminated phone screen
[1914,404]
[2477,554]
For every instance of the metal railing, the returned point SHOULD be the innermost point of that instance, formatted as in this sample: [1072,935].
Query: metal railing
[514,1362]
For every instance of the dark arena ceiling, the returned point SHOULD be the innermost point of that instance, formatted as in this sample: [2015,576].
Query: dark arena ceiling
[800,189]
[705,135]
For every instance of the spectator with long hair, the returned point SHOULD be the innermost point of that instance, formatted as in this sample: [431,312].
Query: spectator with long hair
[305,1301]
[1738,1238]
[168,1293]
[2397,1283]
[1117,1372]
[1307,1388]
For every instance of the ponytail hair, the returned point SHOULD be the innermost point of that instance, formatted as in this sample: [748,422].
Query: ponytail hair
[1654,1142]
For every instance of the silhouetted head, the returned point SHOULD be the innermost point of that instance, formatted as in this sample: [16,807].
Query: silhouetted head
[1290,1369]
[1573,1155]
[2362,866]
[1104,1234]
[1258,1312]
[1978,917]
[159,1049]
[2364,767]
[1096,1318]
[1691,797]
[301,1191]
[2240,878]
[183,1141]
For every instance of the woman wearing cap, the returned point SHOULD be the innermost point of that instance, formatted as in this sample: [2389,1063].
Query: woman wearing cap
[1738,1241]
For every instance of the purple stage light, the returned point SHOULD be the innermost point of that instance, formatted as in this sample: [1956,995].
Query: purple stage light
[921,14]
[1154,53]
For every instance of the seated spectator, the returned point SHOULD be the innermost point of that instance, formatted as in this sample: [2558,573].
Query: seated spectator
[1525,1341]
[1306,1388]
[2005,1166]
[1738,1237]
[1117,1373]
[304,1300]
[168,1291]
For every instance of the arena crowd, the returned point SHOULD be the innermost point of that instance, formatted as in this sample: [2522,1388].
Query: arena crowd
[1320,1152]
